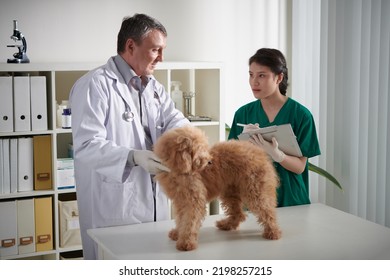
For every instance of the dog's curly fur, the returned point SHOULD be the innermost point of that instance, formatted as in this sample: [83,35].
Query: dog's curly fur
[236,172]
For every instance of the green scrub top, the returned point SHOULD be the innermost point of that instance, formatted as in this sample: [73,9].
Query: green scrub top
[294,188]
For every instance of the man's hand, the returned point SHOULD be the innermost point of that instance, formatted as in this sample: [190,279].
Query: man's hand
[149,161]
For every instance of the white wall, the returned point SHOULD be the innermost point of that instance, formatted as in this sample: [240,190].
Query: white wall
[204,30]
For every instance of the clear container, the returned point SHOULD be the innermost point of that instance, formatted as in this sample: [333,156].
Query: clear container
[60,110]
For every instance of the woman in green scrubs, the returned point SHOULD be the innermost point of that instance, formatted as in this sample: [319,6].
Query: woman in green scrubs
[268,76]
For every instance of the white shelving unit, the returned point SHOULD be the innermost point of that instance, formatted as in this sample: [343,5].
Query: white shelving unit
[206,79]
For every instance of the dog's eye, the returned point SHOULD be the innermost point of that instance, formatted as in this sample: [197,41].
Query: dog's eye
[210,162]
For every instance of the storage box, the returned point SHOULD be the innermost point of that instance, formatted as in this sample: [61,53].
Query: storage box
[65,163]
[69,223]
[65,179]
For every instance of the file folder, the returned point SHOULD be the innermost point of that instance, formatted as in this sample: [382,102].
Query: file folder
[22,112]
[38,103]
[43,224]
[26,226]
[42,162]
[6,105]
[25,164]
[8,230]
[13,155]
[6,167]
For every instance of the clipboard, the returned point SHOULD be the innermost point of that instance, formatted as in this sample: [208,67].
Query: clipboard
[284,135]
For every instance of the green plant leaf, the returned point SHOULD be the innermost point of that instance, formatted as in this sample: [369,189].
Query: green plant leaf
[326,174]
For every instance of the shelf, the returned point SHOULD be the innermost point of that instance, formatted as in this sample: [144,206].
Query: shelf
[205,78]
[27,194]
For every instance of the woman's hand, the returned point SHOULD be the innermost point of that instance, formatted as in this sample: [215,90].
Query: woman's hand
[272,149]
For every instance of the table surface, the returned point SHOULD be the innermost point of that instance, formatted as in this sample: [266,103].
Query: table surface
[309,232]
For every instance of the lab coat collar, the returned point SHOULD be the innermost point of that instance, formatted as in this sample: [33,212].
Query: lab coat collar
[123,90]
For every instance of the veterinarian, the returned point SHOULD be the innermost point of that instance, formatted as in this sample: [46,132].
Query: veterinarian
[119,110]
[268,77]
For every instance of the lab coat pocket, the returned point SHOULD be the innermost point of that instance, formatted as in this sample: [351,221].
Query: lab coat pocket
[118,201]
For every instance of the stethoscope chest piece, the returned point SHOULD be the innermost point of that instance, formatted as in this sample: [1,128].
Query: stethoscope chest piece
[128,116]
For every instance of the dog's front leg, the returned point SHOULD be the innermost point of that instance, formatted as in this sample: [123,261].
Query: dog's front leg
[188,228]
[191,212]
[173,233]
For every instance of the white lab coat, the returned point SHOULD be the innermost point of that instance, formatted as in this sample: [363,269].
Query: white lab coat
[109,192]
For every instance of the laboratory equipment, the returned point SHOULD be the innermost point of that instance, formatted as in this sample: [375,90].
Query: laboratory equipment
[20,56]
[188,103]
[177,95]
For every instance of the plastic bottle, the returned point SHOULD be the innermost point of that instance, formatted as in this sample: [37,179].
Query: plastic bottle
[177,95]
[66,118]
[60,110]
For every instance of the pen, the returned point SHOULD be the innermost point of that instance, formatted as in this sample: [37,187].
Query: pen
[240,124]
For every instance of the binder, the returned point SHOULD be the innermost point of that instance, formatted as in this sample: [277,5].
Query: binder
[25,164]
[26,226]
[8,229]
[6,105]
[42,162]
[69,223]
[43,224]
[38,103]
[13,151]
[6,167]
[22,112]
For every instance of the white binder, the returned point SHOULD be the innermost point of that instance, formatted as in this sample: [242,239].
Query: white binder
[22,112]
[25,164]
[6,167]
[8,230]
[26,226]
[6,105]
[13,155]
[38,103]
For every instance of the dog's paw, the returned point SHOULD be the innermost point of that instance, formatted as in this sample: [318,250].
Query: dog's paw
[272,234]
[174,234]
[186,245]
[226,224]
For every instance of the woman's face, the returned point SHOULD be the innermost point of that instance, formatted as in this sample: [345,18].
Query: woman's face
[263,81]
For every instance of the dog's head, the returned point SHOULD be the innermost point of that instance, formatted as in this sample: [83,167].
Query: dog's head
[184,149]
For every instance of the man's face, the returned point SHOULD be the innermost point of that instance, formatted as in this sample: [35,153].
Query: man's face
[145,56]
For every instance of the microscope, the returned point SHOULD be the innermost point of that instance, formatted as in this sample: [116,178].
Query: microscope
[20,56]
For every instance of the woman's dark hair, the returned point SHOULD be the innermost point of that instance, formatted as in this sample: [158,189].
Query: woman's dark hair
[136,28]
[275,60]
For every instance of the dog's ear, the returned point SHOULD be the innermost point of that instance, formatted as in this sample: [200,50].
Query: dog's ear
[201,158]
[183,154]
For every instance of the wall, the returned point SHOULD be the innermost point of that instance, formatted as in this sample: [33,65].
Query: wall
[203,30]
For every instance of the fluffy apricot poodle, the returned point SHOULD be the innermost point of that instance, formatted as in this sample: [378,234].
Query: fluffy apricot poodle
[236,172]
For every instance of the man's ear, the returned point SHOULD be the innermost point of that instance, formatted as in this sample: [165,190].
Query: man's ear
[130,45]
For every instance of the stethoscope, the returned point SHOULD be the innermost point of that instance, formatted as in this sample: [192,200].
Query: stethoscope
[128,115]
